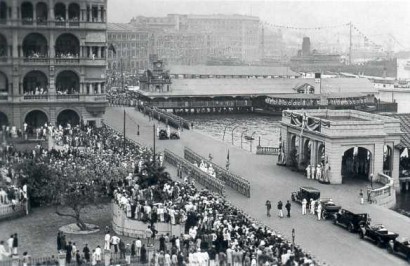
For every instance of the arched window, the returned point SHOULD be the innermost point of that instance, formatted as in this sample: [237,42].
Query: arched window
[60,12]
[4,84]
[35,83]
[74,12]
[3,12]
[3,46]
[67,46]
[67,82]
[35,46]
[41,13]
[27,13]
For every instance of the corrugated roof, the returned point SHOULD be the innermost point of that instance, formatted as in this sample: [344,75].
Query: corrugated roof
[231,70]
[242,86]
[405,128]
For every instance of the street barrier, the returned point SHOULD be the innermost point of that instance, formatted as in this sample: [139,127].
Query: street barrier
[236,182]
[201,177]
[161,115]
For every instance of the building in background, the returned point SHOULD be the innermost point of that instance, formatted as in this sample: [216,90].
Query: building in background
[185,39]
[52,62]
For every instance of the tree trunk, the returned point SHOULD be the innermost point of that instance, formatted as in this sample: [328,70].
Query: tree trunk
[79,221]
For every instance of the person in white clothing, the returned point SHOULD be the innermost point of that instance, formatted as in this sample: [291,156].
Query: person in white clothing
[304,203]
[107,239]
[319,211]
[3,253]
[138,245]
[312,206]
[98,253]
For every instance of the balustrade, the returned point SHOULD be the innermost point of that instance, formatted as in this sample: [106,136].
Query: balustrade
[267,150]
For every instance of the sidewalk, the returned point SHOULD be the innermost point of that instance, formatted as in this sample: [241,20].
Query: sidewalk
[328,242]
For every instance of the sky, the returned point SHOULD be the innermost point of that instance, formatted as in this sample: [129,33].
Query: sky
[376,19]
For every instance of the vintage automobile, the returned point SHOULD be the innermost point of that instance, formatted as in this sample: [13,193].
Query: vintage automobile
[305,193]
[163,135]
[401,247]
[377,233]
[329,208]
[352,221]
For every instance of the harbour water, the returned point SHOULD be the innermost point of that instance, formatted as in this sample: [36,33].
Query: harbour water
[266,127]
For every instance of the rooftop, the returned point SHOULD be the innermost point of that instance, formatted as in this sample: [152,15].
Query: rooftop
[405,127]
[338,87]
[120,27]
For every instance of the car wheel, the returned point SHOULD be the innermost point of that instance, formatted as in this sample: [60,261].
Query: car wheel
[350,228]
[334,220]
[389,249]
[379,242]
[361,235]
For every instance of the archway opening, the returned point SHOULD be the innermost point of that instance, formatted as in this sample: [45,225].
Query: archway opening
[68,117]
[321,154]
[74,12]
[27,12]
[4,121]
[35,46]
[4,84]
[356,163]
[307,147]
[67,46]
[3,12]
[42,13]
[35,83]
[67,82]
[293,158]
[59,12]
[35,119]
[387,159]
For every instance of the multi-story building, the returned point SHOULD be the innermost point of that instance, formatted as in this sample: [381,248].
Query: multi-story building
[184,39]
[132,47]
[52,61]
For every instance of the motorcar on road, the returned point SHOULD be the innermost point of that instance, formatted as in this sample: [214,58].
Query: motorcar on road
[351,221]
[400,247]
[163,135]
[305,193]
[329,208]
[377,233]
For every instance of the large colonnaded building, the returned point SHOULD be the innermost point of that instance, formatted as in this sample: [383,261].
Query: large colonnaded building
[52,61]
[204,88]
[349,144]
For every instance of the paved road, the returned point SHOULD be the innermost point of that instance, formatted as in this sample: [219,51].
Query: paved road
[329,243]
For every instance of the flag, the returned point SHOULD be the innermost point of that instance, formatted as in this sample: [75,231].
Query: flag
[112,48]
[227,161]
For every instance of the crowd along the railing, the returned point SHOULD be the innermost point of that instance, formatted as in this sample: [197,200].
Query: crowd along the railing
[234,181]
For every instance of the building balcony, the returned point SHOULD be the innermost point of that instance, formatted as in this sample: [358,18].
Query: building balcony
[27,23]
[80,98]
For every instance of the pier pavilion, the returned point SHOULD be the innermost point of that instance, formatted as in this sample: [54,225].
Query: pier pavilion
[347,143]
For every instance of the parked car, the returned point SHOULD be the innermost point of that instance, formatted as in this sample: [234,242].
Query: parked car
[305,193]
[377,233]
[401,247]
[329,208]
[352,221]
[163,134]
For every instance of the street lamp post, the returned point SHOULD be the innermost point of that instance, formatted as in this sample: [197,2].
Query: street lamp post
[243,132]
[293,239]
[251,140]
[232,132]
[138,130]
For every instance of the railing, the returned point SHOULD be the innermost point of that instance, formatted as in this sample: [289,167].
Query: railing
[11,211]
[4,97]
[172,120]
[36,60]
[62,61]
[68,97]
[203,104]
[35,97]
[386,194]
[236,182]
[404,178]
[201,177]
[267,150]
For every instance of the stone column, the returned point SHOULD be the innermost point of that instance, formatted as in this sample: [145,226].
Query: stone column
[91,88]
[99,52]
[313,152]
[377,160]
[98,14]
[395,160]
[301,150]
[332,153]
[21,51]
[98,88]
[34,15]
[66,13]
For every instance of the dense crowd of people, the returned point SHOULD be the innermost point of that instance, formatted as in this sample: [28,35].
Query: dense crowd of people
[216,233]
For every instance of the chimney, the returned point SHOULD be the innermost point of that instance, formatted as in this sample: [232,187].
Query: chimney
[306,46]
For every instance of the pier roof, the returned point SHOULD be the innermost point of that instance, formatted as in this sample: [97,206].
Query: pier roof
[405,127]
[232,70]
[263,87]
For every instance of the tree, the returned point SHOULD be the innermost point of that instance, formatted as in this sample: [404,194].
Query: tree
[75,189]
[38,178]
